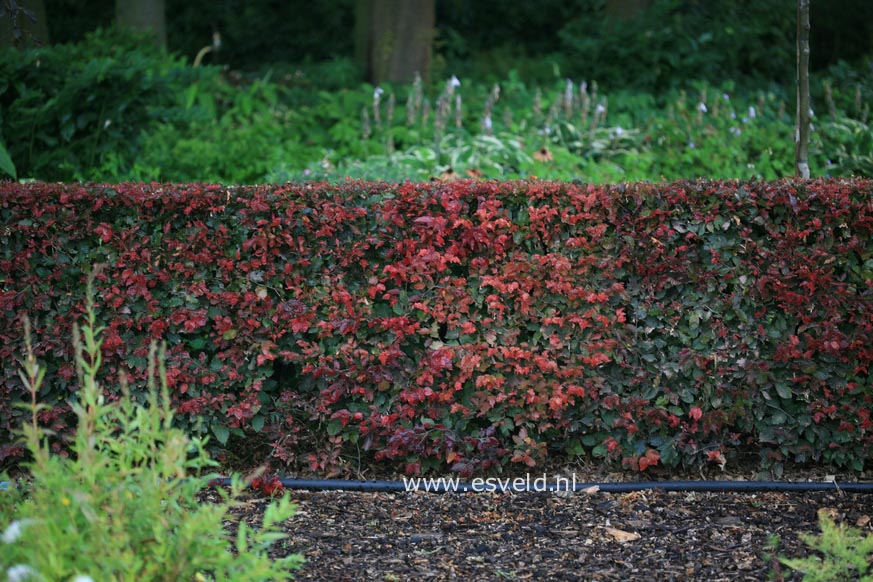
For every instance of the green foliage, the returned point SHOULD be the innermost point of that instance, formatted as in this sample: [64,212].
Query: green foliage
[846,129]
[124,505]
[670,44]
[70,109]
[712,132]
[851,146]
[257,32]
[114,108]
[496,157]
[846,554]
[498,132]
[6,164]
[254,32]
[573,131]
[674,42]
[488,38]
[242,135]
[131,113]
[466,32]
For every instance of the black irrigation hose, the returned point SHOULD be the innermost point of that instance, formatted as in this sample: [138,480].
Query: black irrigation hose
[510,485]
[445,486]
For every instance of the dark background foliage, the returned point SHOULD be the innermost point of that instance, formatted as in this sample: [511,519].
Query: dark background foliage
[568,89]
[673,41]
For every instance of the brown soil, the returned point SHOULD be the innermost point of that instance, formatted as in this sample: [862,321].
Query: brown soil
[650,535]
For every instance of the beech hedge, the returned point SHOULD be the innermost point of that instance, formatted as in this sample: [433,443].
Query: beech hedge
[463,325]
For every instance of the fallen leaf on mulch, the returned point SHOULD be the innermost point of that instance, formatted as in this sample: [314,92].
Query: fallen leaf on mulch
[828,512]
[632,498]
[621,535]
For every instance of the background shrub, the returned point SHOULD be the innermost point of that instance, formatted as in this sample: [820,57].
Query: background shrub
[673,43]
[70,110]
[113,109]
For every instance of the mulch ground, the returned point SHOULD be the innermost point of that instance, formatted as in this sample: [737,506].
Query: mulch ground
[650,535]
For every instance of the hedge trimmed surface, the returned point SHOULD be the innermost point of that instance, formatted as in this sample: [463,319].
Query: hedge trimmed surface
[468,324]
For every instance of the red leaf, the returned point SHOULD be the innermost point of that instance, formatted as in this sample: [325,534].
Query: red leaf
[105,231]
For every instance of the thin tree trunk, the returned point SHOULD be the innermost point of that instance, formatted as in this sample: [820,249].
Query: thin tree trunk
[401,37]
[363,28]
[803,117]
[625,9]
[143,16]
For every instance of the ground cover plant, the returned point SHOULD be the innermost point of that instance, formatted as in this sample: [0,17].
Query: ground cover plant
[467,326]
[124,505]
[846,554]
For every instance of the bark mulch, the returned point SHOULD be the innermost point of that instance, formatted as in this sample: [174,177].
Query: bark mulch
[649,535]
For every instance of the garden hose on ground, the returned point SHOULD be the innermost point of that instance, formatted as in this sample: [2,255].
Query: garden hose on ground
[509,485]
[506,485]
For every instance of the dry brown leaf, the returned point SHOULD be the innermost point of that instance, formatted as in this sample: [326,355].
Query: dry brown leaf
[591,490]
[863,521]
[632,497]
[828,512]
[449,175]
[622,536]
[719,458]
[543,155]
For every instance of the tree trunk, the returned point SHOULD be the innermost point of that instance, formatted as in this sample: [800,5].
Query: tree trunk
[24,23]
[625,9]
[363,20]
[399,40]
[803,117]
[143,16]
